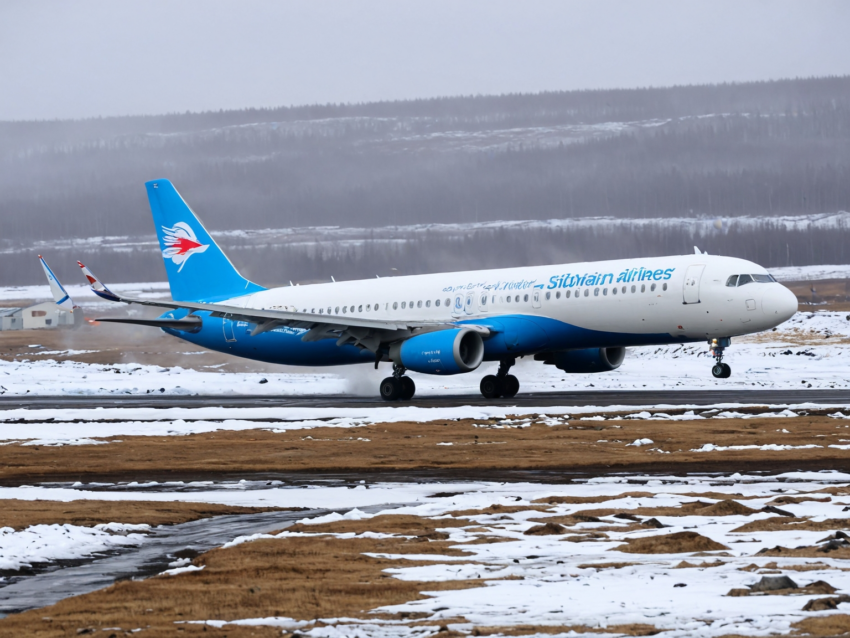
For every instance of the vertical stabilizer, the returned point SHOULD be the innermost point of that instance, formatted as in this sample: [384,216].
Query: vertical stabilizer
[197,268]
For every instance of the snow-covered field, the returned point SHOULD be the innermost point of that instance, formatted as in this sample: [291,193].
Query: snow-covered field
[809,351]
[579,576]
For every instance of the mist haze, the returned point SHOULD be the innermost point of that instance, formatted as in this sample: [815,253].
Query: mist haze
[419,130]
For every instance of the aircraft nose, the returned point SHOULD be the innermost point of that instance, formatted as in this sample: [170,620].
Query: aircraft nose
[779,303]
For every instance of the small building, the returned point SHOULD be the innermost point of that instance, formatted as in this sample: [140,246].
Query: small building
[46,315]
[11,319]
[39,316]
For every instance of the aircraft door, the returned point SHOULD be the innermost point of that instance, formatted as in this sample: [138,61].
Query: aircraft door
[692,279]
[229,326]
[535,299]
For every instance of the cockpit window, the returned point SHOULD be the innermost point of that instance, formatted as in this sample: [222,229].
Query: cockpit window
[742,280]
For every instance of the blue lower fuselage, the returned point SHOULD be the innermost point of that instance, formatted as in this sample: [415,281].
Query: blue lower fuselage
[512,336]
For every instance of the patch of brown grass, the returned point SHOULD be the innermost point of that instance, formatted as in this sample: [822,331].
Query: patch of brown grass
[579,500]
[409,446]
[20,514]
[678,543]
[785,523]
[832,625]
[634,629]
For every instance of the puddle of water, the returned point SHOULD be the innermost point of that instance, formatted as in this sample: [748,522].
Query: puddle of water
[151,557]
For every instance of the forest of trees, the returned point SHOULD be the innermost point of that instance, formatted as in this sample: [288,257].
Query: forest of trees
[718,151]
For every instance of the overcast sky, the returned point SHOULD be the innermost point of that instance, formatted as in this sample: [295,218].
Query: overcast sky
[61,59]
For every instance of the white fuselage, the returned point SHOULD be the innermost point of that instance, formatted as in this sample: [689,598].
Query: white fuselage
[686,296]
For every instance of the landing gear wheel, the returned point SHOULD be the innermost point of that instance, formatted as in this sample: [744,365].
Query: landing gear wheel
[408,389]
[510,386]
[718,370]
[727,371]
[491,387]
[390,389]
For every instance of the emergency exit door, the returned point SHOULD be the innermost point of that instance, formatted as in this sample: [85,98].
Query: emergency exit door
[692,279]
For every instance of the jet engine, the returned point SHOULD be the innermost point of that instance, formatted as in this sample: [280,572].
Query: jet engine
[442,352]
[587,360]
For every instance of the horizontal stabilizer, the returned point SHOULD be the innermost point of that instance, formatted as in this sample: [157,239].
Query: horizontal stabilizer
[187,324]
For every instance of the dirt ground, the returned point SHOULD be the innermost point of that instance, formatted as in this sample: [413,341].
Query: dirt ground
[463,446]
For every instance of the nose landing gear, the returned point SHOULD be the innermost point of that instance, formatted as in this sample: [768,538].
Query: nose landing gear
[720,370]
[397,386]
[502,384]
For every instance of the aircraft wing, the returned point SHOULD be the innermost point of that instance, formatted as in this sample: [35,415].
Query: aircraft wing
[367,333]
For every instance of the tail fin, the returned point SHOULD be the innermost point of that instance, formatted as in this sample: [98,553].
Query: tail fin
[60,295]
[197,268]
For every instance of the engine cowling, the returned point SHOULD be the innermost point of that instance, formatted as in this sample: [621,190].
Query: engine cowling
[442,352]
[587,360]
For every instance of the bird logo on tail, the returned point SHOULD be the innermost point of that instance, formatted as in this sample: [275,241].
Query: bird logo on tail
[181,243]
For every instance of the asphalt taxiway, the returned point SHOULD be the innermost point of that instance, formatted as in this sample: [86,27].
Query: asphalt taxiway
[524,400]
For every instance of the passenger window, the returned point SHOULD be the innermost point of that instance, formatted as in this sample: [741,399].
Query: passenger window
[448,302]
[596,292]
[634,287]
[613,291]
[376,307]
[604,292]
[395,306]
[359,308]
[509,299]
[624,290]
[743,280]
[351,309]
[312,311]
[344,309]
[664,286]
[516,299]
[411,305]
[403,305]
[548,296]
[437,303]
[483,300]
[567,295]
[336,310]
[732,281]
[557,294]
[368,307]
[321,311]
[329,311]
[643,287]
[525,298]
[587,292]
[652,288]
[493,299]
[428,303]
[419,304]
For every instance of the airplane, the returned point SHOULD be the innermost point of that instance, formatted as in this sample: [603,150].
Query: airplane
[578,317]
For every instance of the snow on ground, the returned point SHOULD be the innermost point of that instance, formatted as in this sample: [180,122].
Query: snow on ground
[811,273]
[48,543]
[90,426]
[572,578]
[82,292]
[810,350]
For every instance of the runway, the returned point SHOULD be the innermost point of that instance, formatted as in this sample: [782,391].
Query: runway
[543,399]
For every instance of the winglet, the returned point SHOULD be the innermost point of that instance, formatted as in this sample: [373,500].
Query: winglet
[60,296]
[97,287]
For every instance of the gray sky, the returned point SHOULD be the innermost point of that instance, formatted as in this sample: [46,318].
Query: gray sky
[61,59]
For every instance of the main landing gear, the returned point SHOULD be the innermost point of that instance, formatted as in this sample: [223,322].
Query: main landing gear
[502,384]
[398,386]
[720,370]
